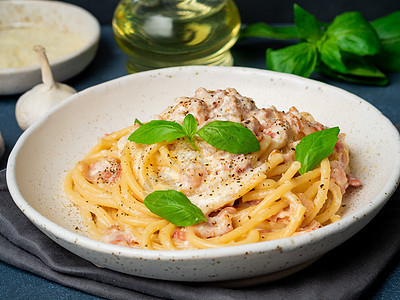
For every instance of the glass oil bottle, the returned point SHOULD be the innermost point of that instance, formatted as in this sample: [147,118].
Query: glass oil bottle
[165,33]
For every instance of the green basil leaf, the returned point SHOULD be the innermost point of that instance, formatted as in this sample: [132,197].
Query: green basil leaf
[347,63]
[175,207]
[262,30]
[362,66]
[189,125]
[352,33]
[313,148]
[387,27]
[331,55]
[307,24]
[299,59]
[229,136]
[348,67]
[157,131]
[389,58]
[378,81]
[388,30]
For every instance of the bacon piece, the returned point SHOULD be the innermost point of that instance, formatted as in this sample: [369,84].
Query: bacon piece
[179,234]
[218,225]
[353,181]
[115,236]
[340,178]
[104,171]
[192,177]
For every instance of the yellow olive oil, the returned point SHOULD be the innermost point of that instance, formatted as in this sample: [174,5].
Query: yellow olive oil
[165,33]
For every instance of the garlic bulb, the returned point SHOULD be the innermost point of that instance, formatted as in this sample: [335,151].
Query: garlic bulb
[33,104]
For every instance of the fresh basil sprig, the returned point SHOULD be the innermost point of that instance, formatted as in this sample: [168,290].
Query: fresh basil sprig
[388,30]
[349,48]
[224,135]
[175,207]
[313,148]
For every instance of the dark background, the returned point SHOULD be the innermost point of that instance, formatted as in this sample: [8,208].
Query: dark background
[272,11]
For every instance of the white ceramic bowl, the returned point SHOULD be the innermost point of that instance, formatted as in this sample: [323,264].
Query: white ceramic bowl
[57,15]
[48,149]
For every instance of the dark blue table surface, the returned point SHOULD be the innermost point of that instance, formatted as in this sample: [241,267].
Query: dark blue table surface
[108,64]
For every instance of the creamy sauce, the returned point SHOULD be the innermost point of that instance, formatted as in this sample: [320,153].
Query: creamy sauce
[211,178]
[16,46]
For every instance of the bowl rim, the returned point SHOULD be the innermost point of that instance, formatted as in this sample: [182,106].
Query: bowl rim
[283,245]
[93,39]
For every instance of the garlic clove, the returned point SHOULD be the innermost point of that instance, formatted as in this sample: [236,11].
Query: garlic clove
[33,104]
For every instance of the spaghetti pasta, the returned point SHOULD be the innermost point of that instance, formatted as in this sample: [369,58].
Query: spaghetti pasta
[246,198]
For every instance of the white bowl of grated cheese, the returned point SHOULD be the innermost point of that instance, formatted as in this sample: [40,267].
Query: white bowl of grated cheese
[69,34]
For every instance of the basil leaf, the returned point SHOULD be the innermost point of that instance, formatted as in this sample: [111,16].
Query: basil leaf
[348,67]
[352,33]
[299,59]
[175,207]
[189,125]
[331,56]
[387,27]
[157,131]
[378,81]
[313,148]
[229,136]
[347,63]
[307,24]
[388,30]
[262,30]
[362,66]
